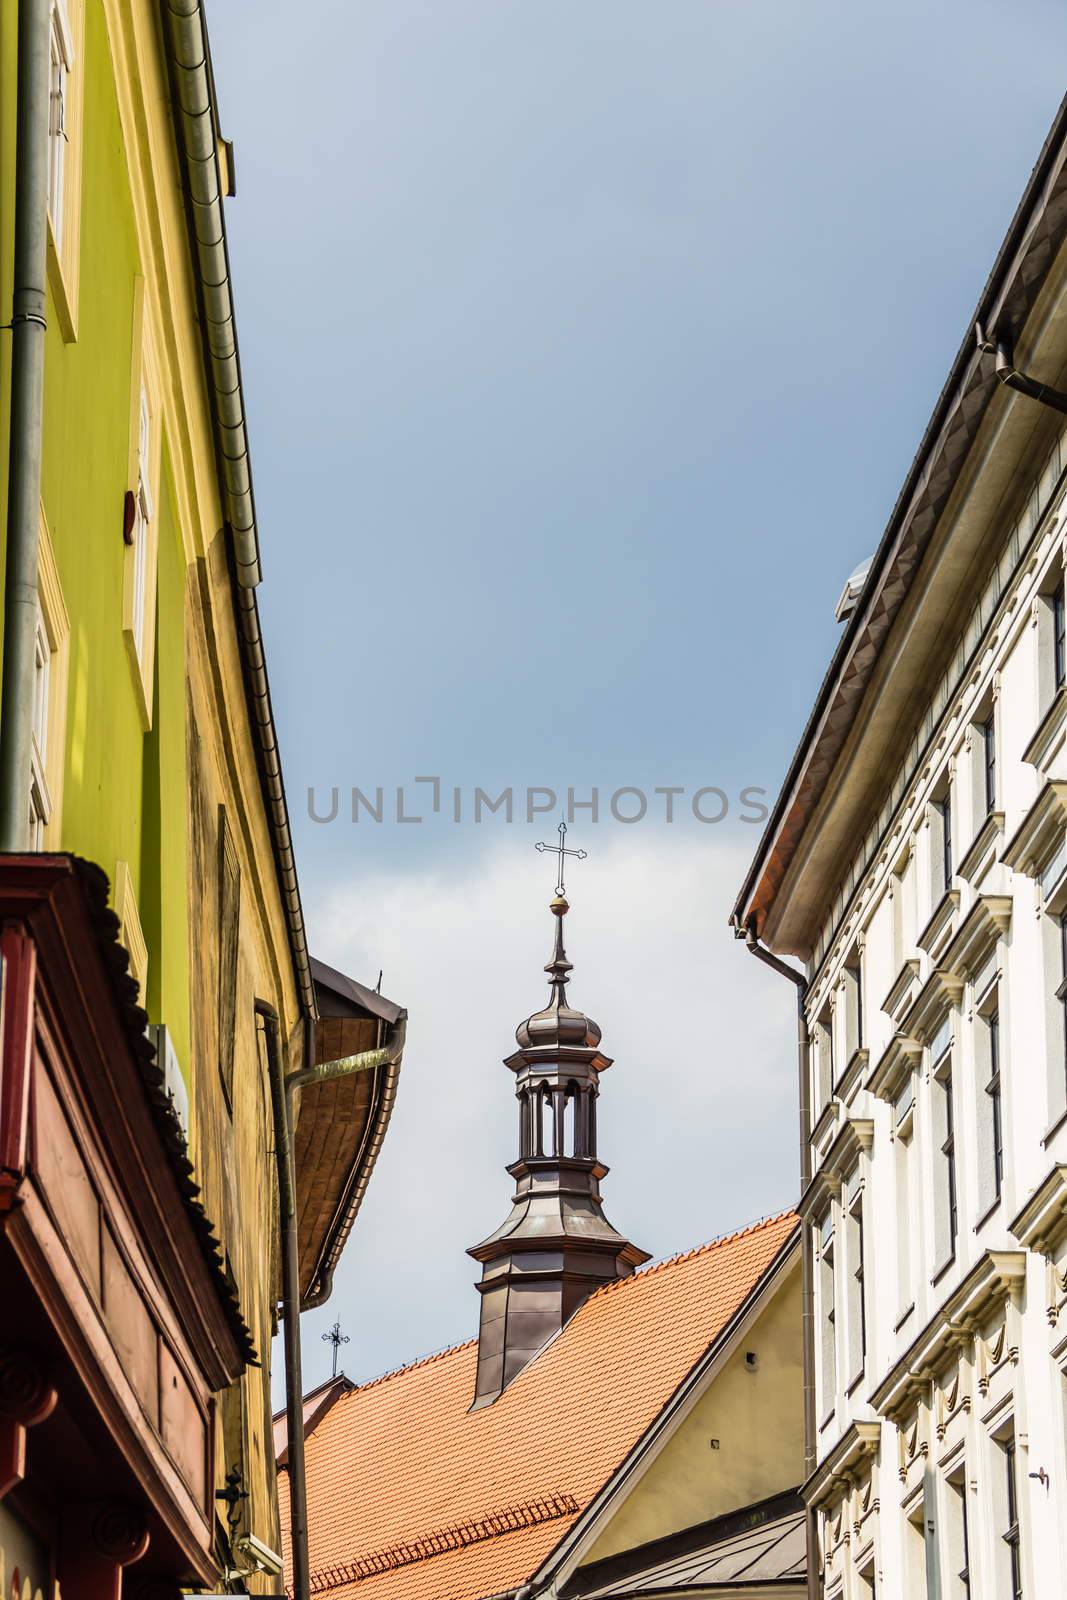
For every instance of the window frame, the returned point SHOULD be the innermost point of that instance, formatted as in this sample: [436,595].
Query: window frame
[144,478]
[66,29]
[988,730]
[1012,1534]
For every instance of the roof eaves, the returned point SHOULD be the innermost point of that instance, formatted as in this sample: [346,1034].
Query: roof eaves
[193,104]
[354,993]
[336,1234]
[1009,292]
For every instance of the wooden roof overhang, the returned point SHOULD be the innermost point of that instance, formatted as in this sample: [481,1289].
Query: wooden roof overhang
[340,1126]
[852,724]
[122,1317]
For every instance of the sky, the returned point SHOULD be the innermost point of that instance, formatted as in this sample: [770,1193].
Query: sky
[585,347]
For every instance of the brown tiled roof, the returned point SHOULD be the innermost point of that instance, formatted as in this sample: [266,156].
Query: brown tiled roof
[411,1494]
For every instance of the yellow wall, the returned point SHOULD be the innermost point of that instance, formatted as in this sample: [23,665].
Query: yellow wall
[758,1419]
[152,757]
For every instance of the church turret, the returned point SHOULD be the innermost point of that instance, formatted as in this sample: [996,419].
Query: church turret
[557,1246]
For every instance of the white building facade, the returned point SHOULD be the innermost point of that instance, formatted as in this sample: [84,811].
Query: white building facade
[916,864]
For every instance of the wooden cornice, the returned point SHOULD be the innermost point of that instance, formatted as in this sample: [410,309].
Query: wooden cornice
[88,1007]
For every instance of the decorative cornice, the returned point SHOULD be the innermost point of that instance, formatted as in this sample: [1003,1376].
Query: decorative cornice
[993,1280]
[940,923]
[846,1461]
[1043,827]
[939,994]
[1047,729]
[857,1066]
[899,997]
[855,1136]
[981,853]
[899,1058]
[978,935]
[1041,1224]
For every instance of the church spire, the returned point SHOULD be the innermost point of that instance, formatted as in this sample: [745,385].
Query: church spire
[556,1246]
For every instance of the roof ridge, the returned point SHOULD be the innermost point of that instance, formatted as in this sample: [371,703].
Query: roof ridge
[702,1249]
[716,1243]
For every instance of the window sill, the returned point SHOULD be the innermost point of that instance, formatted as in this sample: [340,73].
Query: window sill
[942,1270]
[994,1206]
[902,1319]
[854,1385]
[63,291]
[1057,1127]
[826,1421]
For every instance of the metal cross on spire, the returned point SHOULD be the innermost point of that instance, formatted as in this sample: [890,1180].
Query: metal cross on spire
[337,1339]
[561,851]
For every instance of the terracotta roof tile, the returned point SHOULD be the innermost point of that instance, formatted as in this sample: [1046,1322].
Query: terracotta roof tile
[407,1487]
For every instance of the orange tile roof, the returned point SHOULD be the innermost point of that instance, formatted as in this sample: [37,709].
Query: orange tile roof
[412,1496]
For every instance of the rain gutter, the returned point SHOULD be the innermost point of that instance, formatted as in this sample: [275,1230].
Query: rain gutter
[196,128]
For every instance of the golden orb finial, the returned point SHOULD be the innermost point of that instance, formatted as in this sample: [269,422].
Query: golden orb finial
[560,906]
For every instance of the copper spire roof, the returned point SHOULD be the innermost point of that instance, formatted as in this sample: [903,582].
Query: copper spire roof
[558,1023]
[412,1495]
[556,1246]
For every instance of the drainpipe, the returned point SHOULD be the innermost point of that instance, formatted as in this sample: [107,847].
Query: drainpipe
[27,421]
[1000,347]
[807,1265]
[283,1090]
[290,1306]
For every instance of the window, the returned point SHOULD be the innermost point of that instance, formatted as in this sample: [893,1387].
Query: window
[957,1537]
[228,930]
[60,64]
[142,522]
[824,1058]
[142,510]
[852,985]
[827,1320]
[944,811]
[857,1316]
[915,1557]
[946,1206]
[1061,992]
[989,761]
[1059,636]
[948,1152]
[40,799]
[904,1123]
[1011,1531]
[992,1089]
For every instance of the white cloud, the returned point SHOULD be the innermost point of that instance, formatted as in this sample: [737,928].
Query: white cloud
[697,1116]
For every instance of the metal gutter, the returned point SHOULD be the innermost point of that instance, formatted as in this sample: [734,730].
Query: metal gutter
[197,133]
[26,422]
[1034,235]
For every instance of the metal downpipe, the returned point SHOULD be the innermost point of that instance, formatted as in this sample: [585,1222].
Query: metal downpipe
[807,1265]
[27,422]
[280,1098]
[1000,348]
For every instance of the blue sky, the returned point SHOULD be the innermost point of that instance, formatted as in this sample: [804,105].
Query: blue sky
[586,348]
